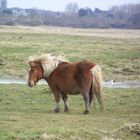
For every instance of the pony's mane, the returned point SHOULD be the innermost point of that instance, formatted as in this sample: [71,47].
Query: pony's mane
[46,58]
[49,62]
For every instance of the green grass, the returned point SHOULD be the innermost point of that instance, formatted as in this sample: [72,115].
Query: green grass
[117,51]
[27,114]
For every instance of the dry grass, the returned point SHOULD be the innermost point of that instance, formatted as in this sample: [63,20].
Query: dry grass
[105,33]
[116,51]
[133,128]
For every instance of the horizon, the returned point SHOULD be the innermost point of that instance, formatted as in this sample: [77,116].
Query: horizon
[44,5]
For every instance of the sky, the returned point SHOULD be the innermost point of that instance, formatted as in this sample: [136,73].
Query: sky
[59,5]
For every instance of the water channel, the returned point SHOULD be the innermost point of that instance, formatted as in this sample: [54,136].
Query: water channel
[108,84]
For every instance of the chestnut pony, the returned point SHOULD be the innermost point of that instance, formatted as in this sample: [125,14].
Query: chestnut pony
[65,78]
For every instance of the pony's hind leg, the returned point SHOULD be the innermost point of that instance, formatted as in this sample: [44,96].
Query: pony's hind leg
[91,98]
[86,100]
[65,99]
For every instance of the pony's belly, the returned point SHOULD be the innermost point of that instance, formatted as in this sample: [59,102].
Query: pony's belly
[72,92]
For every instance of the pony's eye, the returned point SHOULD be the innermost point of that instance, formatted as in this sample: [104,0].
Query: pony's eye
[32,70]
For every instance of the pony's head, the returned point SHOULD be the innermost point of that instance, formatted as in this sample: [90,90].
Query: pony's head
[42,66]
[35,73]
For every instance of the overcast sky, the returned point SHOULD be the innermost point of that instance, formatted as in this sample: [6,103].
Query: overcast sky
[59,5]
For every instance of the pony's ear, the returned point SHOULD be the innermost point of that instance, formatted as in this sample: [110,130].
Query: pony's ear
[32,63]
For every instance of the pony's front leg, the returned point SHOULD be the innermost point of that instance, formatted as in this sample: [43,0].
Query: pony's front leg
[57,100]
[65,99]
[86,100]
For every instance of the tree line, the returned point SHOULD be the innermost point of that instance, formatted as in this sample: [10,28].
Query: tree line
[125,16]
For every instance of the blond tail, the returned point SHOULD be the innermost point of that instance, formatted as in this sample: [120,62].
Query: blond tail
[97,85]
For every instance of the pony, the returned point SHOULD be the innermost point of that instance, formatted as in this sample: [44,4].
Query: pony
[64,77]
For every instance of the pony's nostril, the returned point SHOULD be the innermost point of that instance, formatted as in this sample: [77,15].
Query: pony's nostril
[29,84]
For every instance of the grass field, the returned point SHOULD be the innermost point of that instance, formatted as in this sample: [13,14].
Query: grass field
[27,114]
[117,51]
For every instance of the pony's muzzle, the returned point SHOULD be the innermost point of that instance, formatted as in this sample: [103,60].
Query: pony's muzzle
[31,83]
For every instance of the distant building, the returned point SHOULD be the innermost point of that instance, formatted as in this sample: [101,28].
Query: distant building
[3,4]
[18,11]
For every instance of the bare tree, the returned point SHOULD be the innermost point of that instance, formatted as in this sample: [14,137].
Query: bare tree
[72,8]
[126,9]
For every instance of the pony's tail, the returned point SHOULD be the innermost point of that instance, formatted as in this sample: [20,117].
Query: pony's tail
[97,85]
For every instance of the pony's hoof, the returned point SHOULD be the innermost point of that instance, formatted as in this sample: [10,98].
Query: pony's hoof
[86,112]
[57,110]
[66,110]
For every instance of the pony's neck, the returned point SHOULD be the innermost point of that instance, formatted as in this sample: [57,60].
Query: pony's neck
[49,68]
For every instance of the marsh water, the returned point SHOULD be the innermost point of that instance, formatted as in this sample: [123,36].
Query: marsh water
[108,84]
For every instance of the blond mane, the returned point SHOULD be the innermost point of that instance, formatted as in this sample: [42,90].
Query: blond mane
[49,62]
[45,58]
